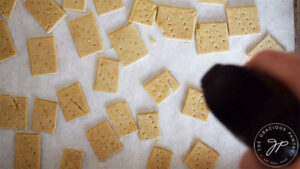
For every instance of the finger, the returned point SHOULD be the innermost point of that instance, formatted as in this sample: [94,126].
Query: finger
[250,161]
[281,66]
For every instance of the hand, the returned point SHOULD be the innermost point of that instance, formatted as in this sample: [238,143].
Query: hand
[285,68]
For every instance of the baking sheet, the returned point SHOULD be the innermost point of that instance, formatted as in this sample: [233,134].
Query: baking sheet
[179,132]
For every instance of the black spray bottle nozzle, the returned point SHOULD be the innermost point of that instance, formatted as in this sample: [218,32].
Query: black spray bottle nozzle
[245,101]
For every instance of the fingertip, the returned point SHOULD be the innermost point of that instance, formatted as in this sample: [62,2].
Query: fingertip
[265,57]
[249,161]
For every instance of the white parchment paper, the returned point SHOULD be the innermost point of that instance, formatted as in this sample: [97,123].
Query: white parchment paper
[179,132]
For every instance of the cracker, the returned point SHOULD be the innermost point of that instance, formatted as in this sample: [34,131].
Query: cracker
[212,38]
[46,12]
[7,46]
[43,56]
[73,102]
[195,105]
[160,158]
[107,6]
[44,116]
[7,7]
[160,87]
[143,12]
[13,112]
[74,5]
[28,151]
[86,35]
[176,23]
[243,21]
[149,127]
[122,118]
[220,2]
[201,157]
[72,159]
[268,42]
[128,44]
[104,141]
[107,78]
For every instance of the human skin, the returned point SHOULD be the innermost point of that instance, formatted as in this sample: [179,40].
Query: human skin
[285,68]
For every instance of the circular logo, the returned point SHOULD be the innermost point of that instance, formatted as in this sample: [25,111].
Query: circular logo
[276,145]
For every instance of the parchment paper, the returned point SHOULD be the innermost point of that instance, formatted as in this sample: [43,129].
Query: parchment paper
[179,132]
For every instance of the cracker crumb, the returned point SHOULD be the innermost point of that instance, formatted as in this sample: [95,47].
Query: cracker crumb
[153,42]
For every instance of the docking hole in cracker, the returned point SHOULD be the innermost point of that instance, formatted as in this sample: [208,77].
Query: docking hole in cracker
[73,102]
[160,158]
[7,46]
[13,112]
[28,151]
[122,118]
[149,126]
[74,5]
[43,56]
[176,23]
[104,141]
[201,157]
[46,12]
[195,105]
[160,87]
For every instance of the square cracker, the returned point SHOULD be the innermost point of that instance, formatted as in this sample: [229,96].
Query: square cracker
[160,158]
[143,12]
[86,35]
[149,127]
[107,78]
[73,102]
[104,141]
[212,38]
[72,159]
[176,23]
[128,44]
[7,46]
[74,5]
[107,6]
[243,21]
[122,118]
[44,116]
[201,157]
[28,151]
[43,56]
[160,87]
[13,112]
[268,42]
[7,7]
[46,12]
[220,2]
[195,106]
